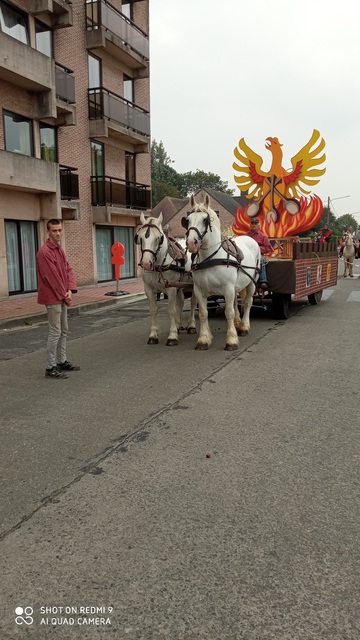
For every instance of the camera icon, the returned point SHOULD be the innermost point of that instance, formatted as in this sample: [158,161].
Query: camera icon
[24,615]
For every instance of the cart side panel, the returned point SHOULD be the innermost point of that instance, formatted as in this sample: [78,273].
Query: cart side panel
[314,274]
[281,275]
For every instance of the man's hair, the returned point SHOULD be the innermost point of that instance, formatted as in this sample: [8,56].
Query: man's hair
[53,222]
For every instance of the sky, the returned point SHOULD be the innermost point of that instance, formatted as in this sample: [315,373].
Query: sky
[221,71]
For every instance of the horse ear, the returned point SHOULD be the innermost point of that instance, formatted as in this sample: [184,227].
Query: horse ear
[192,201]
[185,222]
[207,201]
[160,218]
[142,218]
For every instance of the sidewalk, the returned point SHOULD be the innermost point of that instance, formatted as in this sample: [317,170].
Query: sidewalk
[24,309]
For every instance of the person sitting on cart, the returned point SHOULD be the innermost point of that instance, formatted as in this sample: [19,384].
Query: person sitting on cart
[324,234]
[265,248]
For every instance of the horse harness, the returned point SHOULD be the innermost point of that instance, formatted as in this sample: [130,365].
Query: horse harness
[234,254]
[175,251]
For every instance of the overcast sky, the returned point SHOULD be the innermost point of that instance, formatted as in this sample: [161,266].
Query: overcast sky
[225,70]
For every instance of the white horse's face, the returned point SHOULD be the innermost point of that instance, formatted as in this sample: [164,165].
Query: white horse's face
[199,224]
[150,237]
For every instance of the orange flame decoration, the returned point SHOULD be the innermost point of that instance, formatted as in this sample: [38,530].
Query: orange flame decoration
[310,213]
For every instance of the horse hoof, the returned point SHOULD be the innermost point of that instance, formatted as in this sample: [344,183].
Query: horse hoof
[230,347]
[191,330]
[242,332]
[153,341]
[172,343]
[201,346]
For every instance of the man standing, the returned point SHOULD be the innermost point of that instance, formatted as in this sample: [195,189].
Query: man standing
[265,248]
[56,284]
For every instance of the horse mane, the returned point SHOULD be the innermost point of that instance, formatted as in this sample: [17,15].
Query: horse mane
[204,207]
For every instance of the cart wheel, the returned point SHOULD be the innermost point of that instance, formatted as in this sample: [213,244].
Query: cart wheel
[314,298]
[281,305]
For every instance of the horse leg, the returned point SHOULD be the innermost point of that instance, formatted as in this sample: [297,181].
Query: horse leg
[154,331]
[232,340]
[174,317]
[191,325]
[179,308]
[205,336]
[351,264]
[345,266]
[247,297]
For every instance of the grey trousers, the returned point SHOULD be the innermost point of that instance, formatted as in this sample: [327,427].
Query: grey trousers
[58,330]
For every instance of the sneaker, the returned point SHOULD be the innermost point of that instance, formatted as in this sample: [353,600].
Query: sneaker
[68,366]
[55,373]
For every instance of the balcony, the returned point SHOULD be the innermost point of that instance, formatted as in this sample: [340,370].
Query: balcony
[69,193]
[25,67]
[110,114]
[65,96]
[59,11]
[25,173]
[107,28]
[69,183]
[119,193]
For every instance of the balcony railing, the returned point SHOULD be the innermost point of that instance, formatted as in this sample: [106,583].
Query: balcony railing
[69,183]
[106,104]
[113,191]
[64,83]
[100,13]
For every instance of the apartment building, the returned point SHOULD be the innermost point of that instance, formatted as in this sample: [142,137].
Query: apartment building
[74,133]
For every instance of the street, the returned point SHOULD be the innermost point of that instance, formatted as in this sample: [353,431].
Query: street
[162,492]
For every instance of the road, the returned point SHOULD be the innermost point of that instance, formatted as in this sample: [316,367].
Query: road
[162,492]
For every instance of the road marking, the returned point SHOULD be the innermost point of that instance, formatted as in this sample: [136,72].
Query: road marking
[327,293]
[354,297]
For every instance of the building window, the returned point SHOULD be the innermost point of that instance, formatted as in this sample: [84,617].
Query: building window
[18,134]
[48,146]
[94,72]
[105,238]
[44,39]
[130,166]
[97,172]
[13,23]
[129,89]
[127,9]
[21,248]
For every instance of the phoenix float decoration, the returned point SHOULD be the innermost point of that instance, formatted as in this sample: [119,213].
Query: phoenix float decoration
[279,196]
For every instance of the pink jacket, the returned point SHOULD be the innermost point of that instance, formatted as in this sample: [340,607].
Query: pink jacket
[55,276]
[262,240]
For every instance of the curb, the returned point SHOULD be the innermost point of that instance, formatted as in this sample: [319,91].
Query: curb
[79,309]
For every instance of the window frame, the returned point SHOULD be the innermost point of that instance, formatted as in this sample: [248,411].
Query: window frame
[43,125]
[7,113]
[20,14]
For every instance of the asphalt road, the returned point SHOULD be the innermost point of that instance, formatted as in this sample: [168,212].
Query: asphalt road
[180,494]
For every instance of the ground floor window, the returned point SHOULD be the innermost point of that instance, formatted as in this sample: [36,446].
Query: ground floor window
[21,248]
[105,238]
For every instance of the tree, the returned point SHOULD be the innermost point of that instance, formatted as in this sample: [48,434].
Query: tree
[194,181]
[345,221]
[168,182]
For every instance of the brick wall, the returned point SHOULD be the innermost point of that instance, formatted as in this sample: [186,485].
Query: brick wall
[315,274]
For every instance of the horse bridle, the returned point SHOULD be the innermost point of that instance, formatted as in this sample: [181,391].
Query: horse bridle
[185,224]
[147,234]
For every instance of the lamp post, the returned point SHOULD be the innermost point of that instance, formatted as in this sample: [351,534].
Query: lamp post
[328,205]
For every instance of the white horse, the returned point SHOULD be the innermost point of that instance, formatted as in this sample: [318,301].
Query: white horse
[159,268]
[217,272]
[348,255]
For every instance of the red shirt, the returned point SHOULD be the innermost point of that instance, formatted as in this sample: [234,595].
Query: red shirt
[55,276]
[262,240]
